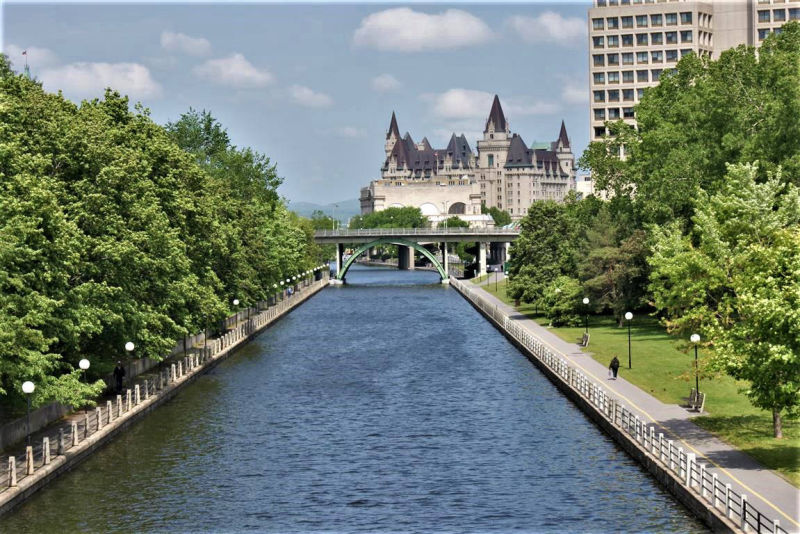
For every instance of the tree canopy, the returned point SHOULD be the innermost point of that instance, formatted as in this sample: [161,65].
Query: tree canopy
[408,217]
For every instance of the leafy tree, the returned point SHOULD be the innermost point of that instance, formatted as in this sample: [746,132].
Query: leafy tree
[321,221]
[407,217]
[500,217]
[735,279]
[562,301]
[455,222]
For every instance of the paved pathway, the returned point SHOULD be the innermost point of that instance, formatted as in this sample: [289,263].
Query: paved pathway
[769,492]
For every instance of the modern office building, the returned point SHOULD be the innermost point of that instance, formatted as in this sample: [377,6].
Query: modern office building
[632,42]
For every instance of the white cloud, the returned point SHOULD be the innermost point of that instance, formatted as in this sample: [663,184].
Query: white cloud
[307,97]
[38,58]
[234,71]
[550,27]
[385,83]
[352,132]
[575,94]
[461,104]
[405,30]
[89,80]
[529,107]
[179,42]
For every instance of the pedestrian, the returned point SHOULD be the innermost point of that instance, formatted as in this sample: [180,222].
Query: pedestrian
[119,374]
[614,367]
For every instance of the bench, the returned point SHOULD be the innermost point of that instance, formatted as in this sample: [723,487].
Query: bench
[697,400]
[585,340]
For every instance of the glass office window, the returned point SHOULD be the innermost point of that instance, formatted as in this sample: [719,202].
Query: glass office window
[597,24]
[779,15]
[686,17]
[613,23]
[627,39]
[642,76]
[657,56]
[672,55]
[599,96]
[671,19]
[655,20]
[613,59]
[627,22]
[672,37]
[641,57]
[599,60]
[597,41]
[641,39]
[627,76]
[613,77]
[613,41]
[686,36]
[613,95]
[627,58]
[763,15]
[657,38]
[641,21]
[627,113]
[599,114]
[627,95]
[599,77]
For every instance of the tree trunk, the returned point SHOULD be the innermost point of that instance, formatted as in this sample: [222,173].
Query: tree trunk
[777,426]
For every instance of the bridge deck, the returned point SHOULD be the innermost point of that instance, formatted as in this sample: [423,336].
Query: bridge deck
[438,235]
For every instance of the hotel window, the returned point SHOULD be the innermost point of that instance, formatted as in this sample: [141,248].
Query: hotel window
[599,96]
[655,20]
[627,76]
[613,113]
[641,21]
[640,93]
[686,36]
[613,41]
[685,51]
[641,39]
[599,131]
[613,59]
[627,113]
[794,13]
[779,15]
[641,57]
[671,19]
[597,24]
[613,23]
[599,60]
[672,55]
[627,22]
[763,16]
[672,37]
[598,42]
[642,76]
[599,114]
[627,39]
[627,58]
[762,34]
[613,95]
[657,38]
[599,78]
[656,74]
[686,17]
[627,95]
[613,77]
[658,56]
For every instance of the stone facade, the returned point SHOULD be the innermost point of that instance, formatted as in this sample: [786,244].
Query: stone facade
[505,173]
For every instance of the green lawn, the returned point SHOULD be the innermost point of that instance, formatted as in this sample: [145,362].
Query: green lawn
[664,371]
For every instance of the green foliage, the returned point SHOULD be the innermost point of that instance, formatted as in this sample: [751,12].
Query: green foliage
[391,218]
[500,217]
[736,279]
[117,229]
[455,222]
[563,302]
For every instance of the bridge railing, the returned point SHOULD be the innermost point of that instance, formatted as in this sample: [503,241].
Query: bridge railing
[690,470]
[368,232]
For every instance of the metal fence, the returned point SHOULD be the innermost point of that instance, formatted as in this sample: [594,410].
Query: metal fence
[369,232]
[74,433]
[692,473]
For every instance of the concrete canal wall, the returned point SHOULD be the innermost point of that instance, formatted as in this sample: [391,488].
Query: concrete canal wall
[720,508]
[24,475]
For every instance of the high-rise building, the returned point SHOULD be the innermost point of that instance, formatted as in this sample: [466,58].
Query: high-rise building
[632,42]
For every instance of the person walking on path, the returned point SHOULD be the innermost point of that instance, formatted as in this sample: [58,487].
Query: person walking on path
[614,367]
[119,374]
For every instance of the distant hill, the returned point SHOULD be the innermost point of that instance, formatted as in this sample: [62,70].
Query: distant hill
[343,211]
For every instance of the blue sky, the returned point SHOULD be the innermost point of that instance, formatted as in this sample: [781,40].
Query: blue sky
[314,86]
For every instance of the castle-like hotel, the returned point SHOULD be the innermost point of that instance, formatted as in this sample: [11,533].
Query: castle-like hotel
[505,173]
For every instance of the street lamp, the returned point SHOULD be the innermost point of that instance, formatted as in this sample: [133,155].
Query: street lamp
[445,214]
[628,317]
[586,303]
[695,338]
[129,346]
[27,389]
[84,365]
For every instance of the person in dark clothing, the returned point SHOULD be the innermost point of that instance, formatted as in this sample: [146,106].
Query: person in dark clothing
[119,374]
[614,367]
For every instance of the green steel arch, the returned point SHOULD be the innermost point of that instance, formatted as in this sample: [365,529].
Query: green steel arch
[391,241]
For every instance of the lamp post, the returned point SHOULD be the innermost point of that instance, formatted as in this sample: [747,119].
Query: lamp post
[586,303]
[628,317]
[27,389]
[695,338]
[129,346]
[445,214]
[84,365]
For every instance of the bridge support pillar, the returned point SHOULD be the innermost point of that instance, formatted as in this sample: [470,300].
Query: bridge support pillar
[405,257]
[339,256]
[445,262]
[481,259]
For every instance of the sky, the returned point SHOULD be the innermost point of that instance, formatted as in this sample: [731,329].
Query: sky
[313,86]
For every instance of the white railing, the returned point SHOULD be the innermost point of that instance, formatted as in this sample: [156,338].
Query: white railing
[692,473]
[369,232]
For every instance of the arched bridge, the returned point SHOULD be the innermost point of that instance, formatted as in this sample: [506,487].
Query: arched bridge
[411,240]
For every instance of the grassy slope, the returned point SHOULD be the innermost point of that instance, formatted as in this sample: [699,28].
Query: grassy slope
[665,371]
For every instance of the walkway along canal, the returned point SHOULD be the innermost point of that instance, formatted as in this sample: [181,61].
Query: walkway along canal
[384,405]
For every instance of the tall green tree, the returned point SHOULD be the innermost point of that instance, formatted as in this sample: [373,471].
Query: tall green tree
[736,280]
[408,217]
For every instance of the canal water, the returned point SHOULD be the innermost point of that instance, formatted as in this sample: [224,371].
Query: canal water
[387,405]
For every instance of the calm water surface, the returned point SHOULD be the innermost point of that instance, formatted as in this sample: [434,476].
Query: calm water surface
[388,405]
